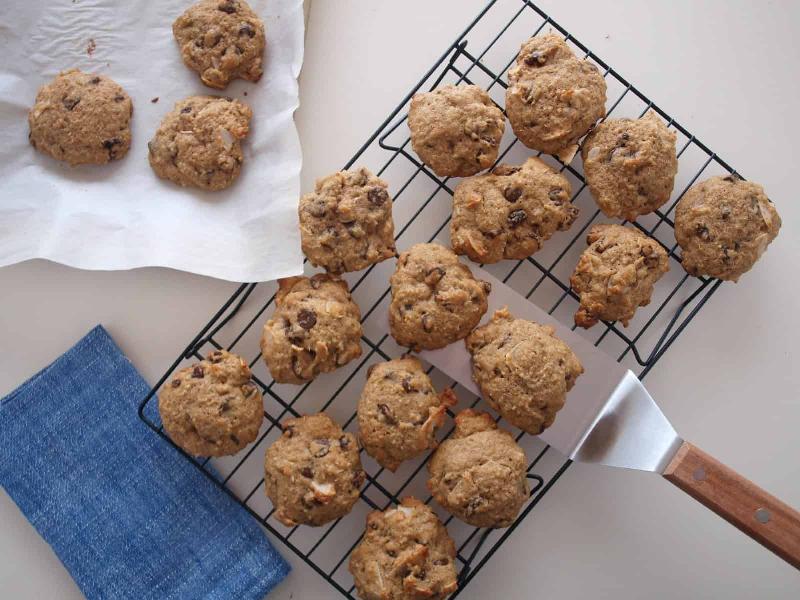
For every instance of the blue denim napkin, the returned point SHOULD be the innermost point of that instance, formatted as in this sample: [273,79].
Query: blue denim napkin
[125,513]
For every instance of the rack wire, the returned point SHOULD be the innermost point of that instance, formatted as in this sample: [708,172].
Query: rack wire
[421,210]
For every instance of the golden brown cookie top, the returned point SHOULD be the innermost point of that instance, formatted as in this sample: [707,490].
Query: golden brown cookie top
[723,226]
[405,553]
[212,408]
[455,130]
[616,274]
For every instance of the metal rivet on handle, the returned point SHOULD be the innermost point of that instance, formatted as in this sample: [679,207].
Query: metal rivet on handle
[699,474]
[762,515]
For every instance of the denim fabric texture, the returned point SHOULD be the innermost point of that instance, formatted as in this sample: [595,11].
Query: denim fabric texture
[127,515]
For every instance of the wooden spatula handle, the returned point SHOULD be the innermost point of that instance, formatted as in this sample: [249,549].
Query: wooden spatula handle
[742,503]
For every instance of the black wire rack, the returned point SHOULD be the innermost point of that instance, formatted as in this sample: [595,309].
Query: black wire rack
[481,55]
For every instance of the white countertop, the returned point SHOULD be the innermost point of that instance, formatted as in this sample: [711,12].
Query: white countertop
[728,71]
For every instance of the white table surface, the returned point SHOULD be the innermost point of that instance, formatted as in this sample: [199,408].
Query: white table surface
[727,70]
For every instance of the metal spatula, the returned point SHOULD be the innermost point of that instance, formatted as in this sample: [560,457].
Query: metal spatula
[610,418]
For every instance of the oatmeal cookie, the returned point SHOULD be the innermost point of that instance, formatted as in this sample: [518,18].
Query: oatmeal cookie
[510,212]
[553,98]
[456,130]
[435,298]
[346,222]
[316,328]
[399,412]
[406,554]
[212,408]
[313,471]
[522,369]
[199,143]
[221,40]
[616,274]
[723,226]
[81,118]
[630,165]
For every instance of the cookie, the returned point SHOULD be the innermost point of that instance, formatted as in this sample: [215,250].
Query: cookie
[316,328]
[435,298]
[522,369]
[456,130]
[212,408]
[221,40]
[723,226]
[346,222]
[81,118]
[630,165]
[399,412]
[553,98]
[616,274]
[510,212]
[199,143]
[405,554]
[479,472]
[312,473]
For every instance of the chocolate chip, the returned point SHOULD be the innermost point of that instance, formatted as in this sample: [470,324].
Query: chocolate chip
[487,287]
[535,59]
[702,232]
[109,145]
[422,574]
[307,472]
[225,406]
[512,194]
[227,7]
[215,356]
[245,29]
[120,98]
[198,372]
[407,387]
[70,103]
[387,414]
[324,449]
[199,42]
[427,323]
[391,553]
[234,439]
[306,318]
[344,442]
[186,109]
[94,80]
[505,170]
[176,383]
[556,196]
[377,196]
[516,217]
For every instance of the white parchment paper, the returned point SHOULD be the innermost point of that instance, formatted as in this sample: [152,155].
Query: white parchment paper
[121,216]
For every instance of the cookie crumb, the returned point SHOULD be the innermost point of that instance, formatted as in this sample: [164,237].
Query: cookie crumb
[91,46]
[245,93]
[154,100]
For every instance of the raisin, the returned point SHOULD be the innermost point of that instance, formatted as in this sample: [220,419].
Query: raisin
[427,323]
[377,196]
[535,59]
[186,109]
[344,442]
[702,232]
[726,212]
[288,430]
[94,80]
[387,414]
[248,389]
[306,318]
[215,356]
[198,372]
[434,275]
[227,7]
[487,287]
[505,170]
[225,406]
[234,439]
[732,178]
[407,387]
[556,196]
[245,29]
[324,447]
[70,103]
[370,370]
[516,217]
[307,472]
[391,553]
[358,481]
[439,562]
[512,194]
[176,383]
[120,98]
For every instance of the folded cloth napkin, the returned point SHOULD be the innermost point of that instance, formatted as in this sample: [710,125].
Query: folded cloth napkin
[125,513]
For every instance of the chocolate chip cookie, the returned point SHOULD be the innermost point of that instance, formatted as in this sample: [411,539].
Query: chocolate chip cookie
[212,408]
[399,412]
[81,118]
[221,40]
[510,212]
[723,226]
[616,274]
[406,554]
[479,472]
[313,471]
[435,298]
[316,328]
[523,370]
[553,98]
[630,165]
[199,143]
[346,222]
[456,130]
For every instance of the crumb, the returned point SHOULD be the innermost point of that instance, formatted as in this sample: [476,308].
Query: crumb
[608,36]
[91,46]
[245,93]
[154,100]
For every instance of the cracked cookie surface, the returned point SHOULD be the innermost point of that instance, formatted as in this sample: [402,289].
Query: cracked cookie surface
[346,222]
[630,165]
[81,118]
[199,143]
[553,98]
[435,298]
[479,472]
[615,275]
[405,554]
[399,411]
[212,408]
[313,471]
[315,329]
[510,212]
[723,226]
[221,40]
[455,130]
[523,370]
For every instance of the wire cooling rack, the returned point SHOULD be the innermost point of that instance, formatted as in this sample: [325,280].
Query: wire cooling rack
[481,55]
